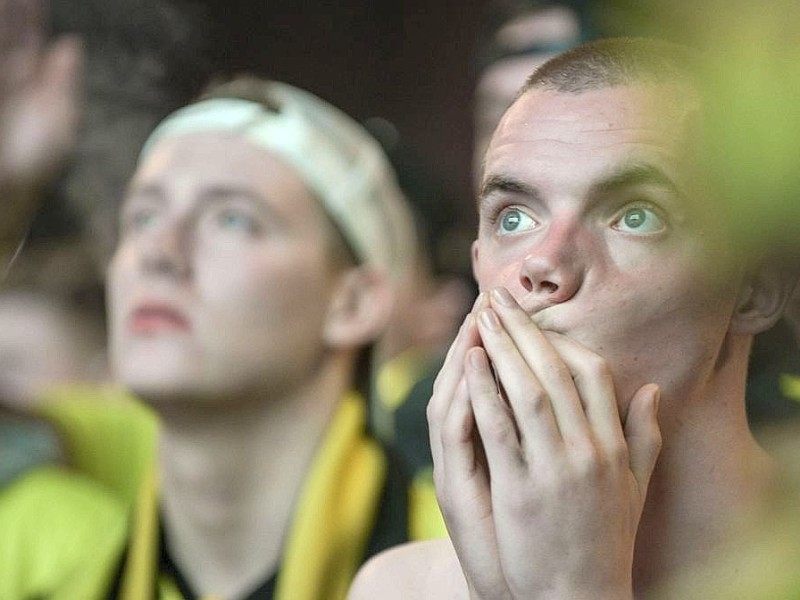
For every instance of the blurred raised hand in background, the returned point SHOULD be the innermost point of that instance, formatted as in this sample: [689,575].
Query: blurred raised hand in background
[40,83]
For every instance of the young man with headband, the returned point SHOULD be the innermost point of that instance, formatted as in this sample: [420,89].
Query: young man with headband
[259,243]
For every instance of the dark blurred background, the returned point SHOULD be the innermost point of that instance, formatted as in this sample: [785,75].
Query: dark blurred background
[408,62]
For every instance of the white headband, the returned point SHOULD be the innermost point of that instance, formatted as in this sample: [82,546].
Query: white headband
[338,160]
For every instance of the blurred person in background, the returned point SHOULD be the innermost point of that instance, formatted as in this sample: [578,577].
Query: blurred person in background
[49,516]
[53,322]
[259,243]
[433,297]
[39,97]
[521,35]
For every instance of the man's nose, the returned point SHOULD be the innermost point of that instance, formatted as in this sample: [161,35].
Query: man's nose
[553,271]
[168,251]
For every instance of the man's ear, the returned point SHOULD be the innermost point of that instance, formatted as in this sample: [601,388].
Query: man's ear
[475,261]
[360,307]
[764,294]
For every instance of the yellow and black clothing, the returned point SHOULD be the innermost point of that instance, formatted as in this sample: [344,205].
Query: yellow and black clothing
[354,503]
[349,508]
[403,387]
[62,528]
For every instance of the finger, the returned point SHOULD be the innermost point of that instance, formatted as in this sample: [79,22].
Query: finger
[593,380]
[447,380]
[643,434]
[452,370]
[466,337]
[494,420]
[62,69]
[546,364]
[60,86]
[529,402]
[458,458]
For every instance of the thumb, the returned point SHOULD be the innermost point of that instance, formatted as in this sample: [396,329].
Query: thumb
[642,433]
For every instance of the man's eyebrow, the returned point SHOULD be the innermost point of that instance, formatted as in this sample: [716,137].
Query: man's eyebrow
[224,191]
[211,194]
[220,193]
[637,174]
[506,184]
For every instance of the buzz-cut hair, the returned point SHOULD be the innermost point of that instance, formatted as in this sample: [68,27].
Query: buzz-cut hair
[612,62]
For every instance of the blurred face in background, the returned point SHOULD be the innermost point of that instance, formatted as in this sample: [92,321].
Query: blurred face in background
[220,283]
[537,37]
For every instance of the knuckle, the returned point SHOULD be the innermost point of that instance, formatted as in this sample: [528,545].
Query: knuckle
[454,433]
[497,429]
[523,505]
[590,463]
[559,373]
[536,403]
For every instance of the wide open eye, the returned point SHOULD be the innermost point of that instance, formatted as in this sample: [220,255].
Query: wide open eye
[640,219]
[513,220]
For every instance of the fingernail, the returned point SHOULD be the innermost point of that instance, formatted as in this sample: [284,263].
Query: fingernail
[477,359]
[489,319]
[502,297]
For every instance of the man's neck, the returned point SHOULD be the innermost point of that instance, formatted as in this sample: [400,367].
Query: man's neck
[230,479]
[711,472]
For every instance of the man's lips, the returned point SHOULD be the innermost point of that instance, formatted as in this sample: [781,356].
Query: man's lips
[157,318]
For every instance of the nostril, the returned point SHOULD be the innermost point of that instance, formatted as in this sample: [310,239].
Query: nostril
[548,287]
[527,284]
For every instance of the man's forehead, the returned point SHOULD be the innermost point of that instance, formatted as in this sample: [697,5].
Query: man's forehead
[547,111]
[655,120]
[574,143]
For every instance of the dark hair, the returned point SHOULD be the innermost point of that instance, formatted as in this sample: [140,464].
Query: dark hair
[616,61]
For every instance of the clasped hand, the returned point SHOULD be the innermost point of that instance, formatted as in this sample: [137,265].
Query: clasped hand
[540,481]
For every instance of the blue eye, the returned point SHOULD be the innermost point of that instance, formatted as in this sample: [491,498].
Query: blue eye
[236,220]
[141,219]
[640,219]
[514,220]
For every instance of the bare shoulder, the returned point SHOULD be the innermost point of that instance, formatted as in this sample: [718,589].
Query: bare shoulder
[415,571]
